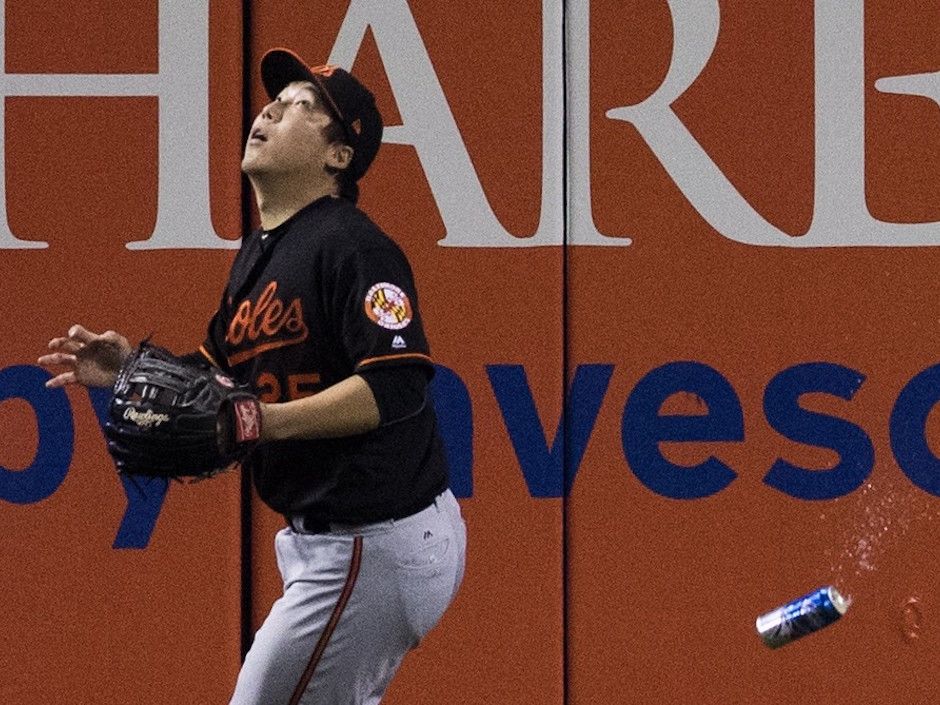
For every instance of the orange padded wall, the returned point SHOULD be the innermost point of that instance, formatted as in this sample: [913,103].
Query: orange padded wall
[677,265]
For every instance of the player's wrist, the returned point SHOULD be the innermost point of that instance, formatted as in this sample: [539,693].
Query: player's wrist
[270,423]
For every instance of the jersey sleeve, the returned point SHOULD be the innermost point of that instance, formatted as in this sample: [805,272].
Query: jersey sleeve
[381,323]
[210,350]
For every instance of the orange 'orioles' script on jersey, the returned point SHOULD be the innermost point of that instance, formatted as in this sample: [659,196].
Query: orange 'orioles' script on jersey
[266,324]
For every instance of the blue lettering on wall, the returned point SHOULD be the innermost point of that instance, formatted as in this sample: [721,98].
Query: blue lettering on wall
[908,426]
[56,435]
[855,449]
[455,420]
[144,495]
[549,472]
[643,429]
[550,464]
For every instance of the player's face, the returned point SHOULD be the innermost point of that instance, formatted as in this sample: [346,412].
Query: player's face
[288,137]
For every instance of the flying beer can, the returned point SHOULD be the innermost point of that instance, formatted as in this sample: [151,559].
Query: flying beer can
[802,616]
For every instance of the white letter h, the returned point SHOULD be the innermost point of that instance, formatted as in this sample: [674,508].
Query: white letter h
[181,86]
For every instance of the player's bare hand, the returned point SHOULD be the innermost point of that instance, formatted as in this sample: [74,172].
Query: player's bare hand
[90,359]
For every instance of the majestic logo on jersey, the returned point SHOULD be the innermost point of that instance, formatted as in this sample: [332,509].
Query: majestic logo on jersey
[265,324]
[388,306]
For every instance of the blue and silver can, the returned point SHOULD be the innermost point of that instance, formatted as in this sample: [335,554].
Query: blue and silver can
[800,617]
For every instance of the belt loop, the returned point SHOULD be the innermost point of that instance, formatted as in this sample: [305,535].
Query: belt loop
[305,524]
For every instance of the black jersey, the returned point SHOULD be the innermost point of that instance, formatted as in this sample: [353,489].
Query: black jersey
[321,297]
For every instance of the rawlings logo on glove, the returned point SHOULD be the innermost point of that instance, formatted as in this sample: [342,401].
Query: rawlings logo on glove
[172,419]
[145,419]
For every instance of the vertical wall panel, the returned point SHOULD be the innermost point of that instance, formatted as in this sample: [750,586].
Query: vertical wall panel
[719,300]
[461,92]
[105,602]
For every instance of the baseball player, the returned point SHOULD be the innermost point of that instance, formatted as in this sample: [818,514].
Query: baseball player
[320,317]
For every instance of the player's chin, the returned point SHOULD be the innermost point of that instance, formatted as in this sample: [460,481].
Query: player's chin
[252,164]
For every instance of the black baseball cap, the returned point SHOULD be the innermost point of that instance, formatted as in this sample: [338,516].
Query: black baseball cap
[351,103]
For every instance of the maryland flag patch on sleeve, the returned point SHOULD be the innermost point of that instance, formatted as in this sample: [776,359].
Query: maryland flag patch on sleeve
[388,306]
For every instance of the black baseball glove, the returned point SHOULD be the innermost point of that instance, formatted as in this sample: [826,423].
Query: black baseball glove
[169,418]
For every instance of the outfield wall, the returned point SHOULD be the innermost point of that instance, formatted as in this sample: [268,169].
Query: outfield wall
[676,265]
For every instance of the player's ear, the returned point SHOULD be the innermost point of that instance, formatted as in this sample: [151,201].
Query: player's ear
[339,155]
